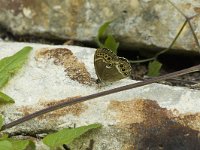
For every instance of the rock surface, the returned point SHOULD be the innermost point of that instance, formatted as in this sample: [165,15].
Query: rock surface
[151,117]
[144,23]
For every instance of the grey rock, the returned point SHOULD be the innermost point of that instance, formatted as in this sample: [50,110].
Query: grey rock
[144,23]
[154,116]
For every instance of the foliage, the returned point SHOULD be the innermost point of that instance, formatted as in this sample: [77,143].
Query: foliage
[10,65]
[109,41]
[14,144]
[7,143]
[5,99]
[111,44]
[154,68]
[66,136]
[1,121]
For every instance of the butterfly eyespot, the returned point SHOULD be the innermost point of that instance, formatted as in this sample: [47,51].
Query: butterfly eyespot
[108,58]
[123,69]
[121,65]
[109,65]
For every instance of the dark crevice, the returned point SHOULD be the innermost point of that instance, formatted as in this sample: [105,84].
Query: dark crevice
[173,60]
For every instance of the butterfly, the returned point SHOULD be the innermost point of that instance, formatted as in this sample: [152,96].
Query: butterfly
[109,67]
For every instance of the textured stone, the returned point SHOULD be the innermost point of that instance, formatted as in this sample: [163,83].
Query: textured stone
[154,116]
[62,56]
[152,23]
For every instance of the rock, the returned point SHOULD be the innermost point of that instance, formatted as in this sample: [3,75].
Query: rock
[149,117]
[148,24]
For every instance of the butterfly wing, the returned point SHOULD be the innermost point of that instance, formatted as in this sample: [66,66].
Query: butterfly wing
[102,58]
[109,67]
[120,69]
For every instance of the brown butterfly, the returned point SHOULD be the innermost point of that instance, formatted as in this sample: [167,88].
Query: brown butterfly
[109,67]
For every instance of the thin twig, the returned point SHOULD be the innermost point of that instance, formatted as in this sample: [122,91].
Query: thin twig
[178,34]
[188,20]
[163,51]
[194,35]
[177,8]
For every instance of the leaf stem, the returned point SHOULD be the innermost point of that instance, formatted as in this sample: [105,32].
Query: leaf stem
[163,51]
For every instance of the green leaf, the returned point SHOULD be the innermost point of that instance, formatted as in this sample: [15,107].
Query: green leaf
[21,144]
[6,145]
[66,136]
[101,33]
[103,29]
[3,137]
[111,43]
[18,144]
[154,68]
[9,65]
[5,98]
[1,121]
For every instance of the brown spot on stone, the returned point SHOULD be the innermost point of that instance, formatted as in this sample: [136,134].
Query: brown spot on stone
[197,10]
[75,109]
[63,56]
[189,120]
[138,107]
[16,7]
[128,147]
[26,110]
[153,127]
[185,6]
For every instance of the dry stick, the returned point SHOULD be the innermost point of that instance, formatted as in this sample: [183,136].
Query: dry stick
[96,95]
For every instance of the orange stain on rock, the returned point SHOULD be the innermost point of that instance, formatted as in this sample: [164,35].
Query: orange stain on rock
[153,127]
[197,10]
[75,69]
[137,110]
[75,109]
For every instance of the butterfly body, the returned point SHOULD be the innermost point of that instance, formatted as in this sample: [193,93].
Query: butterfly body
[109,67]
